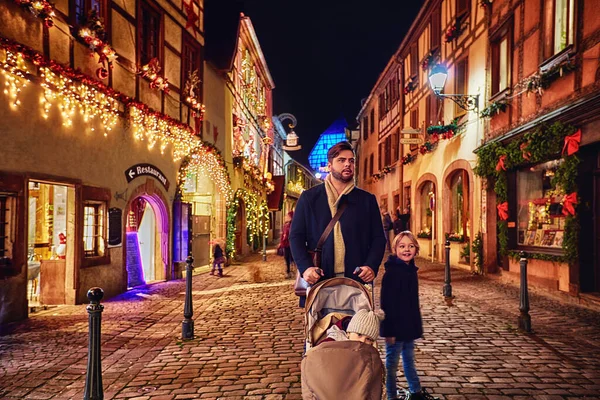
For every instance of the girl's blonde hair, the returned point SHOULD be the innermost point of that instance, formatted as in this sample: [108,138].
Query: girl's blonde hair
[410,235]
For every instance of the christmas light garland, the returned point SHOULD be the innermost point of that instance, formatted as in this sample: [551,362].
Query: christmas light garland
[206,158]
[257,219]
[14,70]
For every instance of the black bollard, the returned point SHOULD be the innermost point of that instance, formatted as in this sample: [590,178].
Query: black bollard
[447,286]
[187,326]
[93,380]
[524,317]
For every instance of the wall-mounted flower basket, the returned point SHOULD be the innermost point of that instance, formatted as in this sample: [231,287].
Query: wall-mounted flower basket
[542,80]
[454,31]
[42,9]
[494,108]
[444,131]
[430,59]
[408,158]
[387,169]
[377,176]
[151,71]
[427,147]
[411,85]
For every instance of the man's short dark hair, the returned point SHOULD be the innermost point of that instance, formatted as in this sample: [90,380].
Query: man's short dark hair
[336,149]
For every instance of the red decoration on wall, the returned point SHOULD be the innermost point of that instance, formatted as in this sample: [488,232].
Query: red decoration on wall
[503,210]
[500,164]
[572,143]
[102,73]
[526,154]
[568,203]
[192,17]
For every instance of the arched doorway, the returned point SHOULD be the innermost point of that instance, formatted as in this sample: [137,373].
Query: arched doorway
[146,255]
[458,213]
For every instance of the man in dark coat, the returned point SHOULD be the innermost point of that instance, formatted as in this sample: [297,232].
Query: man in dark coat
[357,240]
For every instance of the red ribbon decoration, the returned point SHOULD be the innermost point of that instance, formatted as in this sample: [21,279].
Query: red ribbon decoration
[500,164]
[572,143]
[503,210]
[568,202]
[526,154]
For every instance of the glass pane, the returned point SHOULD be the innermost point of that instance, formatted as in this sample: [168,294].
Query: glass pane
[560,25]
[456,225]
[503,65]
[426,220]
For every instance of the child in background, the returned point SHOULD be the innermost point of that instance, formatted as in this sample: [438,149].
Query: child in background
[218,260]
[403,324]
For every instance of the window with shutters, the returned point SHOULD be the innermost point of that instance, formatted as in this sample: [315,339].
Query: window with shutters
[93,229]
[501,60]
[371,165]
[365,127]
[395,145]
[559,26]
[460,83]
[414,123]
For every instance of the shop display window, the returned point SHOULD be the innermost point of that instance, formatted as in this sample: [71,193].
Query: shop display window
[425,207]
[540,220]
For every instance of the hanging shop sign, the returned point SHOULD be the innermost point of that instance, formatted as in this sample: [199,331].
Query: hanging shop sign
[146,169]
[412,136]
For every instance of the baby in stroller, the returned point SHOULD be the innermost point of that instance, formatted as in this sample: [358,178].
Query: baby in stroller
[344,365]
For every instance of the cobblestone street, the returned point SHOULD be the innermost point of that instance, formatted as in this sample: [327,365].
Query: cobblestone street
[248,342]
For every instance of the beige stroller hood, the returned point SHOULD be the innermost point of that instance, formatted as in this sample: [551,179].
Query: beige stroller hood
[333,298]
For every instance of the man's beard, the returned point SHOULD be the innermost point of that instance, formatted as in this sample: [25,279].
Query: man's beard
[340,177]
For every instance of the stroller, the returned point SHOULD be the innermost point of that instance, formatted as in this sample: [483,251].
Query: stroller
[338,369]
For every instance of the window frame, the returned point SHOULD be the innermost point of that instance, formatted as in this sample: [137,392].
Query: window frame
[504,32]
[464,78]
[149,7]
[97,197]
[549,27]
[87,7]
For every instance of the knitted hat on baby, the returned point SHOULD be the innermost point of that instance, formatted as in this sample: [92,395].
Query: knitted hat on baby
[365,323]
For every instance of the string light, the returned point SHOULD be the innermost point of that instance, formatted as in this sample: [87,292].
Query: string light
[257,218]
[206,159]
[73,96]
[14,70]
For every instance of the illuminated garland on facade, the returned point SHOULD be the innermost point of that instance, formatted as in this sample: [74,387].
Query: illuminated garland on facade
[206,158]
[14,71]
[71,96]
[257,219]
[154,126]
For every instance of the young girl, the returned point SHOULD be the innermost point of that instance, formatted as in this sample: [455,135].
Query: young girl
[402,323]
[218,260]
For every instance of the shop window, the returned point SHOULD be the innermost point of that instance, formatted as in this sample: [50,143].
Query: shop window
[424,208]
[540,220]
[93,229]
[459,223]
[559,26]
[150,33]
[501,62]
[460,83]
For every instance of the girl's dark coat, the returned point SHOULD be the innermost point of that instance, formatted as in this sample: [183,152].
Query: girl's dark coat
[400,301]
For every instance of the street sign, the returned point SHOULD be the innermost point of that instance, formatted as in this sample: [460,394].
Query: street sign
[411,140]
[146,169]
[410,131]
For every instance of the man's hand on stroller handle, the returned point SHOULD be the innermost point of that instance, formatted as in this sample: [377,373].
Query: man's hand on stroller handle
[312,275]
[365,273]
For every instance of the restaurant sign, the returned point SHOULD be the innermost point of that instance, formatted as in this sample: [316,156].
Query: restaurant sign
[146,169]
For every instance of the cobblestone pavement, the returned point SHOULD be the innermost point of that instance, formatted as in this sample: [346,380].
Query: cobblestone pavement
[248,342]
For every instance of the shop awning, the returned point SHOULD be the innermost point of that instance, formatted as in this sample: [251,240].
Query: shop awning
[275,198]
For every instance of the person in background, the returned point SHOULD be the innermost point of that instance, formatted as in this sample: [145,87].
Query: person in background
[404,218]
[218,260]
[284,242]
[388,226]
[402,324]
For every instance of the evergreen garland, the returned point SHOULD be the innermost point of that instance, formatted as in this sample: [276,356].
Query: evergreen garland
[543,144]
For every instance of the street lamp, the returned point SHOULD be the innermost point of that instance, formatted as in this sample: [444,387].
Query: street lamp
[437,80]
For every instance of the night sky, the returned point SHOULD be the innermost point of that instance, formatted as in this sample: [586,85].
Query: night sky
[326,55]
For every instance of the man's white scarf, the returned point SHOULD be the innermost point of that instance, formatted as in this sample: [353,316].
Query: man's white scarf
[333,199]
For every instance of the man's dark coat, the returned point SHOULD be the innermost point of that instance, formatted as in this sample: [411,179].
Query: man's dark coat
[361,228]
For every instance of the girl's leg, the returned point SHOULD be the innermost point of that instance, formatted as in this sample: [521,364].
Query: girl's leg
[392,355]
[212,272]
[408,363]
[287,254]
[220,265]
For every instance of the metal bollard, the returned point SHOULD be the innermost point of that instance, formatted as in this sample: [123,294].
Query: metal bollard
[93,380]
[524,317]
[187,326]
[447,291]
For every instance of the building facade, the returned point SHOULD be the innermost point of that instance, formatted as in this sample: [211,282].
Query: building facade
[540,156]
[102,121]
[416,148]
